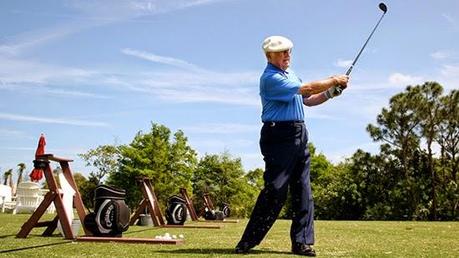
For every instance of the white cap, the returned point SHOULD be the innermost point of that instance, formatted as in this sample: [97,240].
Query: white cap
[276,44]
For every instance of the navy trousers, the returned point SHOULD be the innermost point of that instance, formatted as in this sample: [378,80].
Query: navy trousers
[286,155]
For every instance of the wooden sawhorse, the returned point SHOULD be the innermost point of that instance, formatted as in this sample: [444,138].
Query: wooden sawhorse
[207,201]
[54,196]
[150,202]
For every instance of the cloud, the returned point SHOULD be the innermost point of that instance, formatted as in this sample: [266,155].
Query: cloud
[449,18]
[123,10]
[450,70]
[92,14]
[7,133]
[403,79]
[23,118]
[449,76]
[444,54]
[343,63]
[18,71]
[29,40]
[160,59]
[200,85]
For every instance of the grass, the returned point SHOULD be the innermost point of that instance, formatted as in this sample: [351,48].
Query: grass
[333,239]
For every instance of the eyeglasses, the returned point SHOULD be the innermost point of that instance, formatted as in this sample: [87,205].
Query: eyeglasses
[289,51]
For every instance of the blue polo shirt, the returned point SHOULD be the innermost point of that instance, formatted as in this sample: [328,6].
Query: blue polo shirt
[279,95]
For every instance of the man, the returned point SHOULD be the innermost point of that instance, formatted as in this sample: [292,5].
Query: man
[283,143]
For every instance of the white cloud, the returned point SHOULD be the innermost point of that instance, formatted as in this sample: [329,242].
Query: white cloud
[449,76]
[93,14]
[404,79]
[106,10]
[343,63]
[199,84]
[18,71]
[160,59]
[34,119]
[444,54]
[449,18]
[450,70]
[29,40]
[7,133]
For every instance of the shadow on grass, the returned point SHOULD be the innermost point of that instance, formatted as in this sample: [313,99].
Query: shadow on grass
[5,236]
[35,246]
[216,251]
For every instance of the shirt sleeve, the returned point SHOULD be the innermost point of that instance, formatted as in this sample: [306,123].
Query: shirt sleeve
[280,88]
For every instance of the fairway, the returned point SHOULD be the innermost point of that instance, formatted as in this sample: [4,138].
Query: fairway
[333,239]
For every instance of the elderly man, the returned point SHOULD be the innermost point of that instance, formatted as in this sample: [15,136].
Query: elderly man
[284,147]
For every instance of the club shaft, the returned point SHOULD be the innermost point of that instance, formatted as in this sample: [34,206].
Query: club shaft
[364,45]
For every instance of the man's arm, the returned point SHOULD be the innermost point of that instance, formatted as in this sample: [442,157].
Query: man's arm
[315,87]
[315,99]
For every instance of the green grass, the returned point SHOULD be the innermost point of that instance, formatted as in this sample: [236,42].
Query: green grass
[333,239]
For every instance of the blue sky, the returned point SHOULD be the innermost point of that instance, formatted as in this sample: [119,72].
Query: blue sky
[88,73]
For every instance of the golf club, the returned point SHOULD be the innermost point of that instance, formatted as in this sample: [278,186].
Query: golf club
[383,8]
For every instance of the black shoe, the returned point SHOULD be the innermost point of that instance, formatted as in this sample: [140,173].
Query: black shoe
[243,248]
[303,249]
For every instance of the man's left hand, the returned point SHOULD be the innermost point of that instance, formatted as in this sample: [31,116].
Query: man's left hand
[333,92]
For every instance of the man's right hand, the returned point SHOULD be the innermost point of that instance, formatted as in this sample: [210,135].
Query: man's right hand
[341,80]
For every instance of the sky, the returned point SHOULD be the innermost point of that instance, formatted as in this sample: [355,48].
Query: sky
[90,73]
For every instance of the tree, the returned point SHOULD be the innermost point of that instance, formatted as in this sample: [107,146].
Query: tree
[86,188]
[21,168]
[398,127]
[222,176]
[168,161]
[448,133]
[448,139]
[7,177]
[104,158]
[428,109]
[255,178]
[415,121]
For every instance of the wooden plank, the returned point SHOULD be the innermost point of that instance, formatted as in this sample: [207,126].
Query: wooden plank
[131,240]
[220,221]
[53,158]
[140,210]
[52,226]
[189,204]
[192,226]
[77,200]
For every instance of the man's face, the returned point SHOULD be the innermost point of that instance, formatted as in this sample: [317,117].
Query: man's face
[280,59]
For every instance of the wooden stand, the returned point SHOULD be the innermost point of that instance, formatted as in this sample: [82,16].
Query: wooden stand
[53,196]
[207,201]
[151,203]
[133,240]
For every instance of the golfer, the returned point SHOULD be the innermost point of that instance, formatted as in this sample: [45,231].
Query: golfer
[283,144]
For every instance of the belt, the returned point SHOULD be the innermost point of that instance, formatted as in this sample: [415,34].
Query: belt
[283,123]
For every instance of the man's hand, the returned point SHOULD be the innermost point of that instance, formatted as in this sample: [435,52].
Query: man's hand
[341,80]
[332,92]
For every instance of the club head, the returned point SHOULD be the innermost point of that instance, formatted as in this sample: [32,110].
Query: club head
[383,7]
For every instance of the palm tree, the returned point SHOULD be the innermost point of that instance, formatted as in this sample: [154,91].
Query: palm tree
[6,176]
[21,169]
